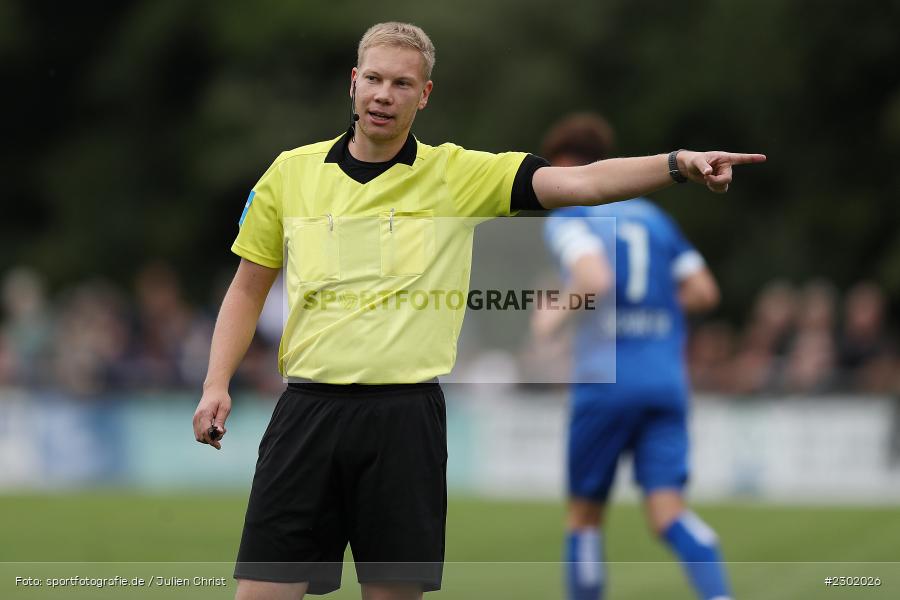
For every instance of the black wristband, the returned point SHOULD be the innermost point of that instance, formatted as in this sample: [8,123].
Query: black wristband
[674,172]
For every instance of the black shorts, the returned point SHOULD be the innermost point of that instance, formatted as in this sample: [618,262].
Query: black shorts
[364,464]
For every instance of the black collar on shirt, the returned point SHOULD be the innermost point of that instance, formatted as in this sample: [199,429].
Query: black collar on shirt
[362,171]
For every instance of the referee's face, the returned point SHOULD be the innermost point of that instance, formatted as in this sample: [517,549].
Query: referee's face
[390,89]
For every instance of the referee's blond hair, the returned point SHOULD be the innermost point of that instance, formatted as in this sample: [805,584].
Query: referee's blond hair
[404,35]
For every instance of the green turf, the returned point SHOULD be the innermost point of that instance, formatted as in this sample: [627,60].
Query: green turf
[495,549]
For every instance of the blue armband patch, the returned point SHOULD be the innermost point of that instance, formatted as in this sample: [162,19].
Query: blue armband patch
[246,207]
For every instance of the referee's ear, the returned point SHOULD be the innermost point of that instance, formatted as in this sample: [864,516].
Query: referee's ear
[353,72]
[426,92]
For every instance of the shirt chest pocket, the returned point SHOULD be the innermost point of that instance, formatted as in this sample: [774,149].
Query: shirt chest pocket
[407,242]
[313,249]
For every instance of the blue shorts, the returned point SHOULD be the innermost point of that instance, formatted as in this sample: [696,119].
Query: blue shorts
[600,433]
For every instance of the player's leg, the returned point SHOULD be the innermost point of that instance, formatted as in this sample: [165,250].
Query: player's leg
[598,434]
[397,591]
[583,513]
[394,462]
[295,532]
[661,470]
[697,547]
[585,573]
[663,507]
[247,589]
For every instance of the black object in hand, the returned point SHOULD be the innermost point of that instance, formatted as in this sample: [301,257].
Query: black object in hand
[214,433]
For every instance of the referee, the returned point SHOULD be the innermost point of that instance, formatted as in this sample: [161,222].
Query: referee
[364,225]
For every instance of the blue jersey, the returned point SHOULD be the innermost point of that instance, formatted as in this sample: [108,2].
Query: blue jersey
[651,256]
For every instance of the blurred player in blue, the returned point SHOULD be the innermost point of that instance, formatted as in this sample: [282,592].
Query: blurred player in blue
[658,277]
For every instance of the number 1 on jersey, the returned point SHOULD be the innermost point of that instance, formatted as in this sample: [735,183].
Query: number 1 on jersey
[636,237]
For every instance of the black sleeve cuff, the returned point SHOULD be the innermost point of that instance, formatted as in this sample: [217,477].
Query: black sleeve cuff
[523,196]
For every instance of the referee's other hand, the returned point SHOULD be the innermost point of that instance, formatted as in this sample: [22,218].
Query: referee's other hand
[213,409]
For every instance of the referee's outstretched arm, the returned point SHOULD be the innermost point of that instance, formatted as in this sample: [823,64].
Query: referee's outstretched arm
[623,178]
[232,336]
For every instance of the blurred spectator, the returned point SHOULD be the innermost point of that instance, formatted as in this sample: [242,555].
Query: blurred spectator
[809,367]
[764,344]
[91,341]
[8,365]
[169,332]
[774,316]
[193,354]
[710,352]
[810,364]
[866,353]
[27,326]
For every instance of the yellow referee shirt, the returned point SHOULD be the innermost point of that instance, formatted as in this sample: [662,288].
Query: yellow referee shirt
[377,273]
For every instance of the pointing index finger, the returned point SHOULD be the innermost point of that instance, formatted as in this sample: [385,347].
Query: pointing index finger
[745,159]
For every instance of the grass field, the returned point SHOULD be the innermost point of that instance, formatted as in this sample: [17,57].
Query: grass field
[495,549]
